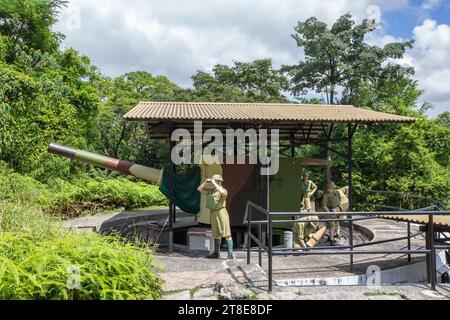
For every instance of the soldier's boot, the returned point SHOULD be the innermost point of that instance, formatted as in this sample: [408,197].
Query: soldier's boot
[332,241]
[230,248]
[216,253]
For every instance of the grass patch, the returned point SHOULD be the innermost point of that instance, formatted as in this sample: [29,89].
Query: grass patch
[193,291]
[171,292]
[254,296]
[379,293]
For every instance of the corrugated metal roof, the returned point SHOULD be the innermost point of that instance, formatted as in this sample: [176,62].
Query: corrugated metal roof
[242,112]
[439,220]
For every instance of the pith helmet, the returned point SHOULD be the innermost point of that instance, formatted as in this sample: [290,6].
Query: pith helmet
[331,184]
[217,177]
[305,173]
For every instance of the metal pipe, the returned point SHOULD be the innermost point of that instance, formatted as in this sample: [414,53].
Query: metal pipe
[432,253]
[249,233]
[350,184]
[342,247]
[270,253]
[442,246]
[171,191]
[259,246]
[316,220]
[343,252]
[383,241]
[364,213]
[409,240]
[262,246]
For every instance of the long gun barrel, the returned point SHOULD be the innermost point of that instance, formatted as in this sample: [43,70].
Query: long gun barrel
[127,167]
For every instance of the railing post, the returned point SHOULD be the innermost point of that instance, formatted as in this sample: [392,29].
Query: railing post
[270,252]
[351,242]
[432,252]
[249,230]
[259,247]
[409,241]
[350,131]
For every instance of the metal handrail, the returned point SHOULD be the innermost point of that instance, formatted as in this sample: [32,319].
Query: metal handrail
[431,251]
[437,204]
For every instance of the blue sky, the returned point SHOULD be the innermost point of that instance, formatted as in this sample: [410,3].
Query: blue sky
[176,38]
[401,22]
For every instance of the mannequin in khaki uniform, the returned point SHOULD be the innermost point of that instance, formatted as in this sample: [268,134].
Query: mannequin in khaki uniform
[301,230]
[330,202]
[220,220]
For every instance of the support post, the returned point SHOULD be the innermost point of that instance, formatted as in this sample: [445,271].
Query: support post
[171,190]
[350,185]
[329,153]
[409,241]
[432,256]
[249,230]
[259,247]
[270,252]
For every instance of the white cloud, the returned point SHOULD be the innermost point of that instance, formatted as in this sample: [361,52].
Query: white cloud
[178,37]
[431,59]
[430,4]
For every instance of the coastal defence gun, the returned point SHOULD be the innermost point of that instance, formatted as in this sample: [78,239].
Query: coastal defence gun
[126,167]
[184,195]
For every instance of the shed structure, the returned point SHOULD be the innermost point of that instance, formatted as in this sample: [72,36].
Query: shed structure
[298,124]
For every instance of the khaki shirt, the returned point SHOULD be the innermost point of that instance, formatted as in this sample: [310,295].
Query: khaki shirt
[215,200]
[330,201]
[306,187]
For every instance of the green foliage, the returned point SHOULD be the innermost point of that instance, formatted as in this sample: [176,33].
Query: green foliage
[23,194]
[443,119]
[339,56]
[35,255]
[40,265]
[255,81]
[45,94]
[28,24]
[88,195]
[409,159]
[125,140]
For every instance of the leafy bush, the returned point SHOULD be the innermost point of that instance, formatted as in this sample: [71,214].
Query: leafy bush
[84,194]
[70,265]
[92,195]
[18,216]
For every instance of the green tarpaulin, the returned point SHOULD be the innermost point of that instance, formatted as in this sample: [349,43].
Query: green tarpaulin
[185,194]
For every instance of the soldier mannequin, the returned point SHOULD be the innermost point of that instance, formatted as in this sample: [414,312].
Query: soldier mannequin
[220,220]
[330,202]
[307,189]
[301,230]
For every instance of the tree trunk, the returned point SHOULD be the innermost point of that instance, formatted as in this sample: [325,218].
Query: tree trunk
[329,144]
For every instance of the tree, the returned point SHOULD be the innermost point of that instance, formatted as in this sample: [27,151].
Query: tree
[28,24]
[45,94]
[122,139]
[443,119]
[338,57]
[255,81]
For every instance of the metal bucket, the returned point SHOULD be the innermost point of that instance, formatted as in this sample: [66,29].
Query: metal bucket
[288,239]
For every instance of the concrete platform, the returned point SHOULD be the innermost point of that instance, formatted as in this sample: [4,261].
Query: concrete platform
[184,270]
[149,226]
